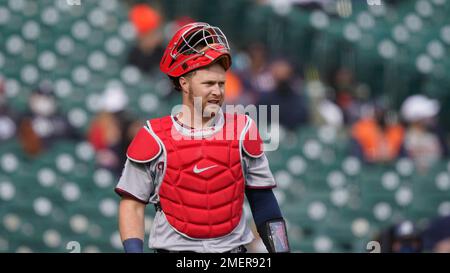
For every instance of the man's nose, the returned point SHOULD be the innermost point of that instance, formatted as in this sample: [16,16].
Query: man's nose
[217,90]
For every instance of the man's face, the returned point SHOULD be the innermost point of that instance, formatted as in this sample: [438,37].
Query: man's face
[42,105]
[442,246]
[208,85]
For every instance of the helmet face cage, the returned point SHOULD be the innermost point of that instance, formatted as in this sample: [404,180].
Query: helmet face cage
[197,37]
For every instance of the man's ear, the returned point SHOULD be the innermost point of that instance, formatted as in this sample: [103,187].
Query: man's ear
[184,84]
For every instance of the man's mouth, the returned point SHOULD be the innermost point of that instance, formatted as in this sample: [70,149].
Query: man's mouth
[214,101]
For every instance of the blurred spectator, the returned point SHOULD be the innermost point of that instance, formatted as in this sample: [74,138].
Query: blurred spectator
[323,110]
[436,238]
[305,4]
[377,136]
[311,4]
[173,26]
[287,94]
[43,123]
[351,96]
[8,119]
[112,130]
[406,238]
[147,52]
[403,237]
[233,88]
[330,114]
[256,76]
[422,142]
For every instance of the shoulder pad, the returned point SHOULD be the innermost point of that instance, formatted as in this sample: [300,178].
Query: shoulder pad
[252,143]
[144,147]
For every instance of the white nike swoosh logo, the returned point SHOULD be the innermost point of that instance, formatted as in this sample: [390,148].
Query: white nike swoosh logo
[197,170]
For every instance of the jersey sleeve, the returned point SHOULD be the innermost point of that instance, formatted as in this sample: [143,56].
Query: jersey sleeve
[257,173]
[135,182]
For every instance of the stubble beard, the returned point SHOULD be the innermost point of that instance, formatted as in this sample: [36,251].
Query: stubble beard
[201,108]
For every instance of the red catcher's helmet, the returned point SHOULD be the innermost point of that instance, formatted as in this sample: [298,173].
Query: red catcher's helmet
[194,46]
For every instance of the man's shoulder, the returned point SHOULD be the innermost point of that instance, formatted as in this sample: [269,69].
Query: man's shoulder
[144,147]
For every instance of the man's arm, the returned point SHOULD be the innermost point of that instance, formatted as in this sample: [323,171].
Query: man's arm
[259,183]
[131,224]
[135,187]
[268,219]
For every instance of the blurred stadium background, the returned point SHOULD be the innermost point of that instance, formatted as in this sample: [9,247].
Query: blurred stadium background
[346,60]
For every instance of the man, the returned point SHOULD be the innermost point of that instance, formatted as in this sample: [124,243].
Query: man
[43,123]
[146,52]
[196,165]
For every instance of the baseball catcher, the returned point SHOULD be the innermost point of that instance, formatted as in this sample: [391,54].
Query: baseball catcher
[196,165]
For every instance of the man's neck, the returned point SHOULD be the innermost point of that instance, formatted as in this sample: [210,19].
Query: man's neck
[197,121]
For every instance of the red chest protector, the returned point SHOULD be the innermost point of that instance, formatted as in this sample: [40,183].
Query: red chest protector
[202,191]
